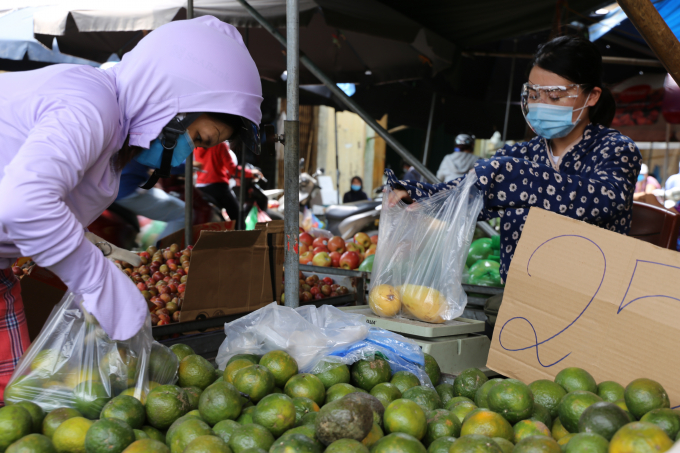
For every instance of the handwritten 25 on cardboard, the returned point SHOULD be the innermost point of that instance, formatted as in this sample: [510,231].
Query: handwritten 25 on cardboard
[579,295]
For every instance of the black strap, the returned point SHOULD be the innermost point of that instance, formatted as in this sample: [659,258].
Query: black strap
[153,179]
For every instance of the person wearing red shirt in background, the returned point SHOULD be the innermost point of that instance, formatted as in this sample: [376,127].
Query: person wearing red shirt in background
[218,166]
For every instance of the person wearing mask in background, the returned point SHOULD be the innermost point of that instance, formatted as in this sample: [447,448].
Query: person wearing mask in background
[411,173]
[154,203]
[218,167]
[575,166]
[645,182]
[356,192]
[66,133]
[460,161]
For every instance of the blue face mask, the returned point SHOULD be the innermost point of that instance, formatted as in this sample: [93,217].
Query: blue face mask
[641,178]
[152,157]
[356,187]
[552,121]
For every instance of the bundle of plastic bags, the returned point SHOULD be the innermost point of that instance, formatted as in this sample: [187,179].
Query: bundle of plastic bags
[420,261]
[73,363]
[319,339]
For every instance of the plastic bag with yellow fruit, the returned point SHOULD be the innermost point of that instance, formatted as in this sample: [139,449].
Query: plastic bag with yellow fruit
[73,363]
[420,259]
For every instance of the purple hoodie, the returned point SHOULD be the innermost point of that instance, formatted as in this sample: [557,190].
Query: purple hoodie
[61,126]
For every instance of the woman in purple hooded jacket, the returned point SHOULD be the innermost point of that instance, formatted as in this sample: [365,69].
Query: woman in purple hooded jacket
[66,131]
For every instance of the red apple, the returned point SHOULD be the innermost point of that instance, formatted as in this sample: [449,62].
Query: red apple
[326,290]
[176,315]
[306,257]
[374,239]
[336,244]
[318,296]
[322,259]
[315,290]
[306,296]
[154,319]
[312,280]
[335,259]
[320,242]
[327,281]
[302,248]
[320,249]
[363,240]
[141,286]
[143,270]
[352,247]
[306,238]
[181,287]
[350,260]
[371,251]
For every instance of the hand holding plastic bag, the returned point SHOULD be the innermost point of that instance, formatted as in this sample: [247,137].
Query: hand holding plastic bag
[420,260]
[74,363]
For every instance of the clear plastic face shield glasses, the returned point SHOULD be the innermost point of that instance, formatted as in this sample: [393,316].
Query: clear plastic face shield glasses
[548,109]
[561,95]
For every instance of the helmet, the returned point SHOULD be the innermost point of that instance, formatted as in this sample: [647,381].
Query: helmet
[465,139]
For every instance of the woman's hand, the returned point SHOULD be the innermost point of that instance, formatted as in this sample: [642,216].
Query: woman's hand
[396,195]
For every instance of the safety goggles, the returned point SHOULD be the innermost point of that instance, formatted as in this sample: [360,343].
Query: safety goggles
[548,94]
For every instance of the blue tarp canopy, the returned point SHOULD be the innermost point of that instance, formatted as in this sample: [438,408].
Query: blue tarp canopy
[616,22]
[17,41]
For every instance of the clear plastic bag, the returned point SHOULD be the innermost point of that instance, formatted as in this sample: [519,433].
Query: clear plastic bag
[73,363]
[318,339]
[420,260]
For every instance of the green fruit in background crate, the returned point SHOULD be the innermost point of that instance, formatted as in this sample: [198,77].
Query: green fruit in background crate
[480,249]
[367,264]
[548,394]
[108,435]
[37,414]
[432,369]
[404,380]
[441,423]
[572,407]
[220,401]
[586,442]
[485,273]
[127,409]
[15,423]
[366,374]
[468,382]
[335,373]
[281,365]
[398,442]
[338,391]
[603,418]
[33,443]
[55,418]
[426,397]
[250,436]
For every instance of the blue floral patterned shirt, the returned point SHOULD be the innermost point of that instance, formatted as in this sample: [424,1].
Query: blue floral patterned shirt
[593,182]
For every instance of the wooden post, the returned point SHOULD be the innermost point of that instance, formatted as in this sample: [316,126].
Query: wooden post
[379,155]
[655,31]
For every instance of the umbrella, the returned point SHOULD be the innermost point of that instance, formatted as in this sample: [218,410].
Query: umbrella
[18,43]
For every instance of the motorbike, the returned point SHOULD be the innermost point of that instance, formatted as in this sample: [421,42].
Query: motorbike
[254,195]
[310,191]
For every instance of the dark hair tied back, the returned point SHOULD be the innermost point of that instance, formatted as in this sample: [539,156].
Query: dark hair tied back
[578,60]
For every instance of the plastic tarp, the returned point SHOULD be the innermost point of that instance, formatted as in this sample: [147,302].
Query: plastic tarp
[17,40]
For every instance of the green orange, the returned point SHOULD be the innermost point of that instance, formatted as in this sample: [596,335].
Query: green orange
[475,443]
[666,419]
[334,373]
[640,437]
[366,374]
[482,394]
[234,367]
[256,381]
[487,423]
[467,383]
[573,378]
[127,409]
[164,405]
[558,431]
[398,442]
[644,395]
[573,405]
[548,394]
[527,428]
[441,423]
[281,365]
[195,371]
[536,444]
[604,419]
[337,391]
[56,418]
[303,406]
[70,436]
[33,443]
[425,397]
[404,380]
[250,436]
[512,399]
[220,401]
[405,416]
[445,392]
[15,423]
[441,445]
[587,442]
[306,385]
[373,436]
[432,369]
[610,391]
[462,409]
[386,392]
[276,412]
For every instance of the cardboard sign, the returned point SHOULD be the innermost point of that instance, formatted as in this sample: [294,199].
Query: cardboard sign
[581,296]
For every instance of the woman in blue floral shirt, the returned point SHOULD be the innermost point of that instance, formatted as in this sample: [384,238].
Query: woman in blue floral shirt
[575,166]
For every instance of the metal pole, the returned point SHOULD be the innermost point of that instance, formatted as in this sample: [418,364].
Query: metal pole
[356,108]
[189,176]
[507,101]
[337,159]
[428,134]
[291,155]
[654,29]
[665,161]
